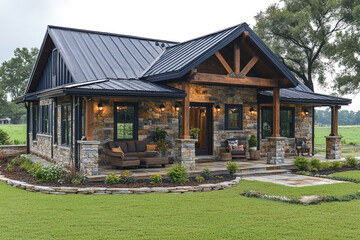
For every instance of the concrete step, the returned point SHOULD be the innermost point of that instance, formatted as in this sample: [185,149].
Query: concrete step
[262,173]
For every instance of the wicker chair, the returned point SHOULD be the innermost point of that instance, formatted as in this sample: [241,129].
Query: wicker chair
[237,153]
[302,146]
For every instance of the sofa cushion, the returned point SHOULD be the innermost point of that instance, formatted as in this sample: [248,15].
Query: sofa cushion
[140,146]
[123,146]
[147,154]
[112,145]
[238,152]
[238,148]
[131,146]
[131,154]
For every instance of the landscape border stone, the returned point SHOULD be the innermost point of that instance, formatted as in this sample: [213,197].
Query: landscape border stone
[118,191]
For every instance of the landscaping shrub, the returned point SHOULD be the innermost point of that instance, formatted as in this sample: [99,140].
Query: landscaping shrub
[4,137]
[159,134]
[112,179]
[352,162]
[336,165]
[10,167]
[178,174]
[34,168]
[48,174]
[126,177]
[253,141]
[199,179]
[232,167]
[155,178]
[325,165]
[315,164]
[301,163]
[26,165]
[205,173]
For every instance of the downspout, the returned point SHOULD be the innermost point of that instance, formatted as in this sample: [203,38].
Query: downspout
[27,127]
[313,131]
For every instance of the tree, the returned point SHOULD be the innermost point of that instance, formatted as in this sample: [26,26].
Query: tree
[300,31]
[15,73]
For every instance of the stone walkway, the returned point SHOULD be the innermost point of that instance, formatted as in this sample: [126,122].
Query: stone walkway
[293,180]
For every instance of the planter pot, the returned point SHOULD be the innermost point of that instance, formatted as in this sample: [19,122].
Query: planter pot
[252,148]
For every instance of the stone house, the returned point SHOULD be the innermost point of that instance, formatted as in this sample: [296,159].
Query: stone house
[90,87]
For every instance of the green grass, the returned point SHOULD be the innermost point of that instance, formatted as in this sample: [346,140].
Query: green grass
[16,132]
[214,215]
[350,174]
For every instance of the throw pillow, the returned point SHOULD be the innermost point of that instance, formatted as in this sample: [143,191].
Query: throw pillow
[238,148]
[150,147]
[233,143]
[119,150]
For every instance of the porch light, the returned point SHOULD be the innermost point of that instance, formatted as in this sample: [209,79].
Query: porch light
[252,111]
[100,106]
[177,107]
[218,108]
[306,112]
[162,107]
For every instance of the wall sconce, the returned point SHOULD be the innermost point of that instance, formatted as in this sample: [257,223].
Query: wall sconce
[252,111]
[218,108]
[162,107]
[305,112]
[177,107]
[100,106]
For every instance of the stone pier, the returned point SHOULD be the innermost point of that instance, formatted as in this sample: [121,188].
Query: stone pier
[89,157]
[275,150]
[185,152]
[333,147]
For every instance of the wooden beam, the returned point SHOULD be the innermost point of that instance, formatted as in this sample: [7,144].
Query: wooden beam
[186,108]
[89,120]
[244,34]
[237,56]
[334,120]
[276,112]
[223,79]
[223,62]
[250,65]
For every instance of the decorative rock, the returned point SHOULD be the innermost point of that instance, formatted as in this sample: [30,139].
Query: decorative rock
[310,199]
[44,189]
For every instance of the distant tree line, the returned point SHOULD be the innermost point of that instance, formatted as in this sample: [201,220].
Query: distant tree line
[323,117]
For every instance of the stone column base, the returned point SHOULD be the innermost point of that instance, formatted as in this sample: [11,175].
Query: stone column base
[89,157]
[275,150]
[185,152]
[333,147]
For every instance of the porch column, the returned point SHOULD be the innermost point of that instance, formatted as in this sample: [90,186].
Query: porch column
[276,144]
[186,111]
[333,142]
[89,120]
[89,157]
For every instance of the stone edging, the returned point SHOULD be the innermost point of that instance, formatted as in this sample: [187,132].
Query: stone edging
[116,191]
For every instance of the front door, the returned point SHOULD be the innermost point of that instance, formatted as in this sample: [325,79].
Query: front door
[201,118]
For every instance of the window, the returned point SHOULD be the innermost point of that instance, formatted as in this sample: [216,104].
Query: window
[233,117]
[35,122]
[45,123]
[55,121]
[125,121]
[287,122]
[66,124]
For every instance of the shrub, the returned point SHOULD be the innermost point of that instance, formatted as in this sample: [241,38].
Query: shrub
[253,141]
[199,179]
[352,162]
[178,174]
[10,167]
[34,168]
[194,132]
[112,179]
[301,163]
[4,137]
[336,165]
[219,177]
[205,173]
[232,167]
[26,166]
[315,163]
[15,161]
[159,134]
[325,165]
[155,178]
[48,174]
[126,177]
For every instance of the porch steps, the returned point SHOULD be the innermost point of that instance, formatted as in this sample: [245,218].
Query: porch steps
[205,158]
[262,173]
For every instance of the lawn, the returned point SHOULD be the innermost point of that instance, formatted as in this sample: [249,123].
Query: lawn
[213,215]
[17,133]
[350,174]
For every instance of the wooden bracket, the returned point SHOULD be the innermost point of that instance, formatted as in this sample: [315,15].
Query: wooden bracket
[223,62]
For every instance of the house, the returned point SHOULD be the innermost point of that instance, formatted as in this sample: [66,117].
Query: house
[90,87]
[5,120]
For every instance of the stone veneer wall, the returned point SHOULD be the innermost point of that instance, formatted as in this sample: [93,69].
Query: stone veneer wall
[12,150]
[333,147]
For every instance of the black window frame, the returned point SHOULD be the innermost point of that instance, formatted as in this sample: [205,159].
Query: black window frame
[292,128]
[35,119]
[66,132]
[45,119]
[55,121]
[240,118]
[135,122]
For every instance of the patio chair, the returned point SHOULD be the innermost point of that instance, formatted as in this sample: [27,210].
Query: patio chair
[238,149]
[302,146]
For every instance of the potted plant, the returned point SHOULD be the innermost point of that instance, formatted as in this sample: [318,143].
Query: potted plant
[161,147]
[194,132]
[253,143]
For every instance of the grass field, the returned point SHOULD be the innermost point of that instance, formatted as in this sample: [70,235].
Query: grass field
[349,174]
[213,215]
[17,133]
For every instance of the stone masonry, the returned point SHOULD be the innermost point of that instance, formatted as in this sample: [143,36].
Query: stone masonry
[89,157]
[185,152]
[276,150]
[333,147]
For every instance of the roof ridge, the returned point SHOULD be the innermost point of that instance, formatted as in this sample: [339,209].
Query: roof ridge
[110,34]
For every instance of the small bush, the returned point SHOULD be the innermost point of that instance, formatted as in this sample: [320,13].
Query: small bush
[315,163]
[4,137]
[155,178]
[352,162]
[336,165]
[34,168]
[301,163]
[219,177]
[253,141]
[48,174]
[77,180]
[199,179]
[15,161]
[232,167]
[325,165]
[125,177]
[112,179]
[26,166]
[10,167]
[205,173]
[178,174]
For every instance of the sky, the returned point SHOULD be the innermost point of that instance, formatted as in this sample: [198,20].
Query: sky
[23,22]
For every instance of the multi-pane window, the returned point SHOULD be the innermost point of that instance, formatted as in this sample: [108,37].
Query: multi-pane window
[287,122]
[45,123]
[66,123]
[233,117]
[35,122]
[125,119]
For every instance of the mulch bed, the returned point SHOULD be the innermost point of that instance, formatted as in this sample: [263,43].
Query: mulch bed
[21,175]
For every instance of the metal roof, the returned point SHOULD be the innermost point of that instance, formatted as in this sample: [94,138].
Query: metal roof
[94,55]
